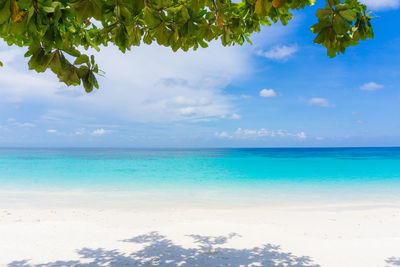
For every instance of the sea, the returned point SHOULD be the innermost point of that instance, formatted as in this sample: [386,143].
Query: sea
[265,176]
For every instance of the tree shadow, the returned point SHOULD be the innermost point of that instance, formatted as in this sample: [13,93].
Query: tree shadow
[393,261]
[158,250]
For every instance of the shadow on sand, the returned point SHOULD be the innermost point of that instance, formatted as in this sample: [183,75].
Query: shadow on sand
[393,261]
[159,251]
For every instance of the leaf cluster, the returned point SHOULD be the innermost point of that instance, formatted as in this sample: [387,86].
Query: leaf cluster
[55,31]
[341,25]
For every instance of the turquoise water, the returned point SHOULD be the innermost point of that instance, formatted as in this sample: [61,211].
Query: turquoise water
[371,172]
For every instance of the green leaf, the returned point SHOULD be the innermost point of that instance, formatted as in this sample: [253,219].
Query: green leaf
[151,19]
[258,7]
[82,59]
[341,7]
[316,28]
[55,64]
[183,15]
[331,52]
[93,80]
[195,6]
[323,13]
[63,61]
[48,9]
[87,84]
[202,13]
[72,51]
[348,14]
[3,3]
[320,37]
[162,35]
[339,25]
[85,9]
[96,69]
[5,12]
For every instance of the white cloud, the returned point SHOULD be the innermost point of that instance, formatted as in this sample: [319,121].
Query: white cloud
[148,84]
[241,133]
[249,132]
[80,131]
[267,93]
[371,86]
[9,55]
[99,132]
[25,124]
[163,88]
[301,135]
[222,135]
[281,53]
[318,101]
[236,116]
[18,86]
[187,111]
[381,4]
[51,131]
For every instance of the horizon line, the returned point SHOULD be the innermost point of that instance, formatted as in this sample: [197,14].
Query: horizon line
[188,147]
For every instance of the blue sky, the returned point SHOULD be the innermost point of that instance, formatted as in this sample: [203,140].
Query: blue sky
[281,91]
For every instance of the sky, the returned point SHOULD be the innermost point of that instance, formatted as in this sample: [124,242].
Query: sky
[282,91]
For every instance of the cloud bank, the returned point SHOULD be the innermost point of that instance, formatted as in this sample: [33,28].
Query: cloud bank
[279,53]
[149,84]
[241,133]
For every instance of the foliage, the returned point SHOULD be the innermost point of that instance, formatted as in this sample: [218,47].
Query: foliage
[341,25]
[53,30]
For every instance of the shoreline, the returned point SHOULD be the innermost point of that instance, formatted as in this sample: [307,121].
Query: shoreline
[158,199]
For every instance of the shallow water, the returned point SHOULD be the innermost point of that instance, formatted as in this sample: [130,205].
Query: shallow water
[280,174]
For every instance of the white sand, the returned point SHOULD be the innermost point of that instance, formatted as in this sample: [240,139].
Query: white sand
[41,229]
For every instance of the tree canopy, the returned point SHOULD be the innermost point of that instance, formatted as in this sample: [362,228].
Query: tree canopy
[55,31]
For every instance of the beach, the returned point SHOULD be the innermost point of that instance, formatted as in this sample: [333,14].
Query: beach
[216,207]
[46,233]
[243,133]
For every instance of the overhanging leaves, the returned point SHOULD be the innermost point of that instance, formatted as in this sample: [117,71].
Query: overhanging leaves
[52,29]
